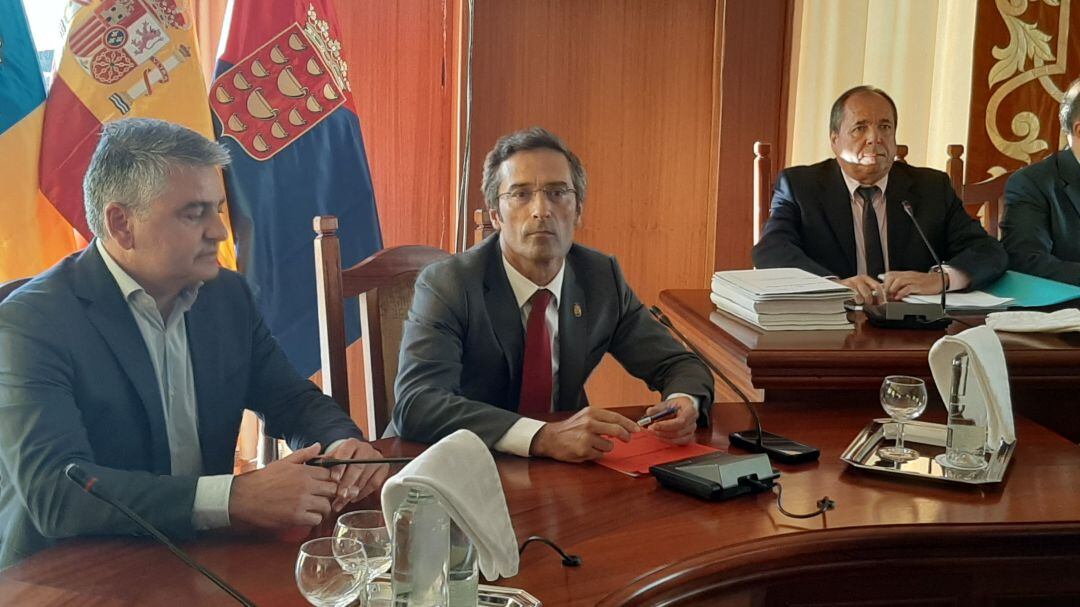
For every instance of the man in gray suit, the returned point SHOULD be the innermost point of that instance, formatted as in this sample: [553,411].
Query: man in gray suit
[135,359]
[508,331]
[1041,227]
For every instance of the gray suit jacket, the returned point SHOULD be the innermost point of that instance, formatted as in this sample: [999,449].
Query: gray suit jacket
[461,354]
[1041,227]
[77,385]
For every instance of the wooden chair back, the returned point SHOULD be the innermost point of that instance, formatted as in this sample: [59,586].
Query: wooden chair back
[763,186]
[384,285]
[983,200]
[9,287]
[482,225]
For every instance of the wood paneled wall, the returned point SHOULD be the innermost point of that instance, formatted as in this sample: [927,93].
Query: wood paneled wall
[399,56]
[628,86]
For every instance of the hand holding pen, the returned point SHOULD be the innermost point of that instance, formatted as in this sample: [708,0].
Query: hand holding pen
[673,421]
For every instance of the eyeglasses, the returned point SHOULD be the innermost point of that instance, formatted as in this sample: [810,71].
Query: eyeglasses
[556,195]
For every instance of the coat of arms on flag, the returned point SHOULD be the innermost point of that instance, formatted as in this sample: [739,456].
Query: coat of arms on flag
[282,89]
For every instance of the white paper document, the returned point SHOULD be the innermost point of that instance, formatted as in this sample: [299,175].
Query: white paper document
[962,301]
[1062,321]
[777,283]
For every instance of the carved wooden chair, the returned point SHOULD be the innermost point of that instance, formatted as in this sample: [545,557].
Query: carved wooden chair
[983,200]
[384,284]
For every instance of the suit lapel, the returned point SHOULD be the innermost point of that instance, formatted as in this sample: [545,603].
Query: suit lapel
[836,201]
[207,367]
[899,224]
[110,315]
[1069,170]
[573,329]
[505,316]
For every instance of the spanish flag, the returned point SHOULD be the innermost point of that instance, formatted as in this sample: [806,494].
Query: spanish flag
[33,235]
[121,59]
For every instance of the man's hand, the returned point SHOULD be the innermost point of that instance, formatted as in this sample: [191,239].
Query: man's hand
[899,285]
[867,289]
[678,430]
[354,481]
[286,493]
[583,436]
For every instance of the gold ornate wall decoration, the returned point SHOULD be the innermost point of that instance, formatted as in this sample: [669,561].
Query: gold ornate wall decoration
[1048,55]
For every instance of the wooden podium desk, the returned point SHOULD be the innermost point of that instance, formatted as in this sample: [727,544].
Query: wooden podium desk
[923,543]
[821,367]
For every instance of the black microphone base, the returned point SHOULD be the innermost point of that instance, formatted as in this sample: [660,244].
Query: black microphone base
[901,315]
[778,448]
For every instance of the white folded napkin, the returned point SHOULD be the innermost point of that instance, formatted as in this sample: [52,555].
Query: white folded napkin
[460,472]
[1062,321]
[987,399]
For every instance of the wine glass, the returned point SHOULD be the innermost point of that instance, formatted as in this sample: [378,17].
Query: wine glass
[369,528]
[904,399]
[331,571]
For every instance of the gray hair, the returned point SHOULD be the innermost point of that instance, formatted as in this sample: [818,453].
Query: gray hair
[535,138]
[1070,107]
[836,116]
[132,162]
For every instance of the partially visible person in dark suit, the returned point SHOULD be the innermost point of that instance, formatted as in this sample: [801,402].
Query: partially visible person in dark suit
[1041,227]
[844,218]
[135,359]
[508,331]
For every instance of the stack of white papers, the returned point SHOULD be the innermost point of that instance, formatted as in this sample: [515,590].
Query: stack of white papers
[782,299]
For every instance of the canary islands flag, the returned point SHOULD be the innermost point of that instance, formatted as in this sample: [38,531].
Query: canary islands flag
[282,105]
[33,235]
[121,58]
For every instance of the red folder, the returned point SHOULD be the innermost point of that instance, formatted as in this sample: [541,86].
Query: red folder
[644,450]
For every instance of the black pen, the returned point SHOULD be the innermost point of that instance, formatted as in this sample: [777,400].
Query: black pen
[329,462]
[666,413]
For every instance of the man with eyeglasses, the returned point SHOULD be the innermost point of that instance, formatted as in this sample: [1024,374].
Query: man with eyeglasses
[509,331]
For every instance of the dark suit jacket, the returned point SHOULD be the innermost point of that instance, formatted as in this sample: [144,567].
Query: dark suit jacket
[1041,227]
[810,225]
[77,385]
[461,354]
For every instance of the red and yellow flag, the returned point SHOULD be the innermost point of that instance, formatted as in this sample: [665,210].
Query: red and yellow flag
[121,59]
[32,234]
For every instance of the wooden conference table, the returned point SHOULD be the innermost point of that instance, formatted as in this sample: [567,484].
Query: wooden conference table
[889,538]
[822,367]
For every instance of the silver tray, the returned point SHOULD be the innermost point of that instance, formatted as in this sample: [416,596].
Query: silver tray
[489,596]
[929,440]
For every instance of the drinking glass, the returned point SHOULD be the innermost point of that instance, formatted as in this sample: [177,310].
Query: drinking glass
[369,528]
[330,571]
[904,399]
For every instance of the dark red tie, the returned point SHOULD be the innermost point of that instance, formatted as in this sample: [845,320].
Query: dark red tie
[536,372]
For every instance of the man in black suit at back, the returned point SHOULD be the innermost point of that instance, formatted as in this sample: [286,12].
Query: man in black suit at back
[844,218]
[1041,228]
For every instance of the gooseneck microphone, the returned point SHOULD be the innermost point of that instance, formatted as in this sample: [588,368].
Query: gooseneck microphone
[937,260]
[783,449]
[903,315]
[89,484]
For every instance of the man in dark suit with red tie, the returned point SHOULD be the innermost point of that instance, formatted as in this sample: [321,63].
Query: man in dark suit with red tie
[510,330]
[844,217]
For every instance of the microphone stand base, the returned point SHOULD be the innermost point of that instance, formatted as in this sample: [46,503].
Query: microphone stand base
[901,315]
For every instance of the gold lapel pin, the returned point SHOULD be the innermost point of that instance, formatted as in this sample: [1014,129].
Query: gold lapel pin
[577,310]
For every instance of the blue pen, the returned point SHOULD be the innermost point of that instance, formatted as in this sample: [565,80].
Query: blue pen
[666,413]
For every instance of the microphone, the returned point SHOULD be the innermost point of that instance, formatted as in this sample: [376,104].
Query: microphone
[926,241]
[783,449]
[903,315]
[88,484]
